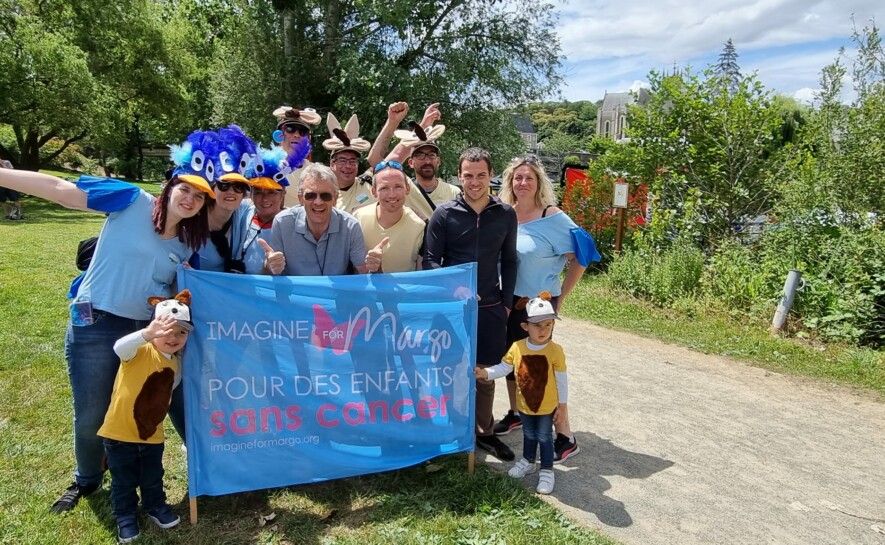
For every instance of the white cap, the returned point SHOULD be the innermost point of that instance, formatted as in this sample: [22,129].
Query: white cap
[176,309]
[539,310]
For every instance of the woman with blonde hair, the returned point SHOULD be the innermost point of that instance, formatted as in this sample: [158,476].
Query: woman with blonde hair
[545,243]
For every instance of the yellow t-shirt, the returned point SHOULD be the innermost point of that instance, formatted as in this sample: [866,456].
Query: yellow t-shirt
[444,192]
[294,178]
[356,196]
[142,393]
[406,237]
[535,380]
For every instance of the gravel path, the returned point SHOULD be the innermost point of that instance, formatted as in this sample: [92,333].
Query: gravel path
[679,447]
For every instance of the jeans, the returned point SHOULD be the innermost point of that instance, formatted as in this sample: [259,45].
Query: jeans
[537,429]
[135,465]
[92,368]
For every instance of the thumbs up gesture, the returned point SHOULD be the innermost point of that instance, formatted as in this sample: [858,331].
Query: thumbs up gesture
[373,258]
[274,262]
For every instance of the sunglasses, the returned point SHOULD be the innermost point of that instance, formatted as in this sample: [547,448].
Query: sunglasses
[236,186]
[421,156]
[529,159]
[396,165]
[292,128]
[312,195]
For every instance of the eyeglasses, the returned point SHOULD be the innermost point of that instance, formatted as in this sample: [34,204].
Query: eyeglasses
[292,128]
[312,195]
[236,186]
[421,155]
[396,165]
[529,159]
[346,162]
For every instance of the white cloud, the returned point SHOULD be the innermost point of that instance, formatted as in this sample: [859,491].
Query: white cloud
[805,95]
[610,46]
[674,30]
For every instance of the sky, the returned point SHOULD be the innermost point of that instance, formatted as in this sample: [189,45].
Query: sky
[611,46]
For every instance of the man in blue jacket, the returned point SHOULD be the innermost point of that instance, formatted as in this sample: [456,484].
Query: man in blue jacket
[477,227]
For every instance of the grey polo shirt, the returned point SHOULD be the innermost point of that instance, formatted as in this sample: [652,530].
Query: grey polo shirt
[342,243]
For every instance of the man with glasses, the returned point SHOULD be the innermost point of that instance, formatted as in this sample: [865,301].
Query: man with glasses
[477,227]
[425,162]
[393,231]
[347,147]
[316,239]
[293,125]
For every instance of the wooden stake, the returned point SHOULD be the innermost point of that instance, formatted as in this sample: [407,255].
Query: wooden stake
[619,233]
[471,460]
[193,510]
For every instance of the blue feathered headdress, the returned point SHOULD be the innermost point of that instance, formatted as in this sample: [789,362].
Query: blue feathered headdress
[270,167]
[193,160]
[234,154]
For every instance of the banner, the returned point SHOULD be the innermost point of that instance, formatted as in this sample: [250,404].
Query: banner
[292,380]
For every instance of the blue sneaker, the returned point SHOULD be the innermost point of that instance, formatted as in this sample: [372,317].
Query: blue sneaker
[164,517]
[127,529]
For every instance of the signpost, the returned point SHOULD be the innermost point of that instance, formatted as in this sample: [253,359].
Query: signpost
[619,201]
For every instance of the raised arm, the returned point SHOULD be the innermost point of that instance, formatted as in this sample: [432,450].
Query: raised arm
[44,186]
[396,112]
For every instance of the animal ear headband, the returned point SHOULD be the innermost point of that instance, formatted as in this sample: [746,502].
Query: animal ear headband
[419,136]
[346,139]
[304,116]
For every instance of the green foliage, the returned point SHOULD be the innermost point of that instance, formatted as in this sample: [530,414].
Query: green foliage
[577,119]
[661,276]
[709,154]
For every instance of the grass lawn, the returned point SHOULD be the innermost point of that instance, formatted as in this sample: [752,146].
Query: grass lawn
[711,332]
[430,503]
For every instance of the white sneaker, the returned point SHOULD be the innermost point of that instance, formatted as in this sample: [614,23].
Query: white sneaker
[546,480]
[522,468]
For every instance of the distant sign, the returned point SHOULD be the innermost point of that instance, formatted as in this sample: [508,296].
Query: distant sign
[621,192]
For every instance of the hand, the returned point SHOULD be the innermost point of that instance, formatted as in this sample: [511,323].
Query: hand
[396,112]
[159,327]
[561,414]
[373,258]
[431,115]
[479,372]
[274,262]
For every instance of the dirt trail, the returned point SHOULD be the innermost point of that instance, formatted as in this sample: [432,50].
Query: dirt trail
[679,447]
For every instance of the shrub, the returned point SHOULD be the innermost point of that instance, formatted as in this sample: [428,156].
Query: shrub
[662,277]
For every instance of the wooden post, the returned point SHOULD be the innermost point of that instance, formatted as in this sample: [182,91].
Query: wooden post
[193,510]
[619,233]
[471,460]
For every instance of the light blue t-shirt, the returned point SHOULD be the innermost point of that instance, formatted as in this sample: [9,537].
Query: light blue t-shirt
[541,247]
[131,261]
[253,253]
[242,239]
[341,244]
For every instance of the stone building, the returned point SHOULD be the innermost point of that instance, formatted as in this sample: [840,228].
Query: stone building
[611,118]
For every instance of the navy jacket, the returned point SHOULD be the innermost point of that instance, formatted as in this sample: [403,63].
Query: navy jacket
[456,234]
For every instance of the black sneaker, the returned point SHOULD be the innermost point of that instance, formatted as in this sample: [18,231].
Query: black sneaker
[510,422]
[71,496]
[495,446]
[564,448]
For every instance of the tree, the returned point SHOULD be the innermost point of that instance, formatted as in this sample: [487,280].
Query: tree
[709,156]
[727,66]
[78,70]
[359,57]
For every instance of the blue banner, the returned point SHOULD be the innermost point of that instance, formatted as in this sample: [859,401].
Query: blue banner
[292,380]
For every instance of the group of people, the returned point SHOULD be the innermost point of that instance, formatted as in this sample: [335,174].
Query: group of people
[306,218]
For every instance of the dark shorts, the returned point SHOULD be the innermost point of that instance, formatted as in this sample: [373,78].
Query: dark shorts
[9,194]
